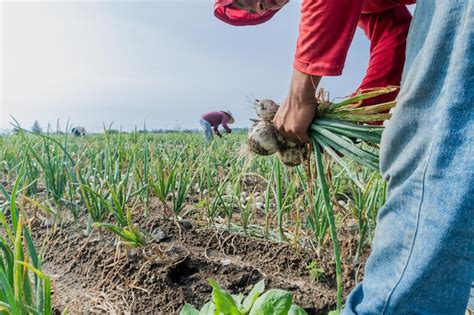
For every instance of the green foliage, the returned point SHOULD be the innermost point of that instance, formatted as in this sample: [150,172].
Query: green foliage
[334,132]
[296,310]
[24,289]
[130,235]
[208,309]
[274,301]
[257,302]
[316,272]
[109,178]
[250,299]
[188,309]
[223,301]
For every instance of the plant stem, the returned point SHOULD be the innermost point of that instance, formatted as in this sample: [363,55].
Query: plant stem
[332,224]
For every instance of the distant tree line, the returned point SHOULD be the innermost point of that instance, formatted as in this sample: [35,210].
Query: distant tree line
[80,131]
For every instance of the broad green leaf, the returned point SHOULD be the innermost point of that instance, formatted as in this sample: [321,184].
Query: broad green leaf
[208,309]
[273,302]
[238,299]
[257,289]
[188,309]
[224,302]
[334,312]
[296,310]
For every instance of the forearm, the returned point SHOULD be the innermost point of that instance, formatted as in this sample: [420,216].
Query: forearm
[303,86]
[226,127]
[294,117]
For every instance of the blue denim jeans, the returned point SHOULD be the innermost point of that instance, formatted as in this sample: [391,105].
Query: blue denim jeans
[207,130]
[422,259]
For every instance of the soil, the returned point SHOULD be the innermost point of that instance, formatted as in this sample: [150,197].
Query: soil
[95,273]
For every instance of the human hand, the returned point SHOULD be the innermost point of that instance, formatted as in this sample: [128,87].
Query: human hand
[294,117]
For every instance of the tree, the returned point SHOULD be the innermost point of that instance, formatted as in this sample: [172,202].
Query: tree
[36,128]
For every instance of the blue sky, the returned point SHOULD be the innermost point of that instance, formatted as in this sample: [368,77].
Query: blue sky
[159,62]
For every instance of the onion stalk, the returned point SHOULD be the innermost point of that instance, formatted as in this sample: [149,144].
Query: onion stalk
[339,129]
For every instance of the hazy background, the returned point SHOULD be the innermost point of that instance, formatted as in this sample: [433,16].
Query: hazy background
[162,63]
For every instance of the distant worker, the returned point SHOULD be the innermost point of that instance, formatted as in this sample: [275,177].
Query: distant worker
[214,119]
[78,131]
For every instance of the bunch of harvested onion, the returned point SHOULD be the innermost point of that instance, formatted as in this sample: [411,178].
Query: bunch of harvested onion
[264,138]
[339,128]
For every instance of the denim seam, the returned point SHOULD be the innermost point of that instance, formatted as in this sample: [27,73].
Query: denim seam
[416,228]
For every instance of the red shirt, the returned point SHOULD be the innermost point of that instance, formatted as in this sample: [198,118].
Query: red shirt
[217,118]
[327,29]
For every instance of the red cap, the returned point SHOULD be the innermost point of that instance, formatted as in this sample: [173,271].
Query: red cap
[239,17]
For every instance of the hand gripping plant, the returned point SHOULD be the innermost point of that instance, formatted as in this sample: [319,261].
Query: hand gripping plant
[339,129]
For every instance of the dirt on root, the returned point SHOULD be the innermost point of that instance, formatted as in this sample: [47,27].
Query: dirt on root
[94,273]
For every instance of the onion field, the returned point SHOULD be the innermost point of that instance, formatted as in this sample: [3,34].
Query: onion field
[148,223]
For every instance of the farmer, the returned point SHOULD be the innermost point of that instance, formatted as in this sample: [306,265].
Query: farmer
[210,122]
[422,259]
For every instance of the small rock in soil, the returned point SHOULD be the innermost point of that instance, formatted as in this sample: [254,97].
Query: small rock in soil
[158,235]
[185,224]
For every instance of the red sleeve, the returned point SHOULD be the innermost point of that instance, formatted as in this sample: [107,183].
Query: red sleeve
[325,34]
[387,31]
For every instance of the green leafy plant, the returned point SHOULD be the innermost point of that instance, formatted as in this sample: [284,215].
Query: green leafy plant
[257,302]
[130,235]
[316,272]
